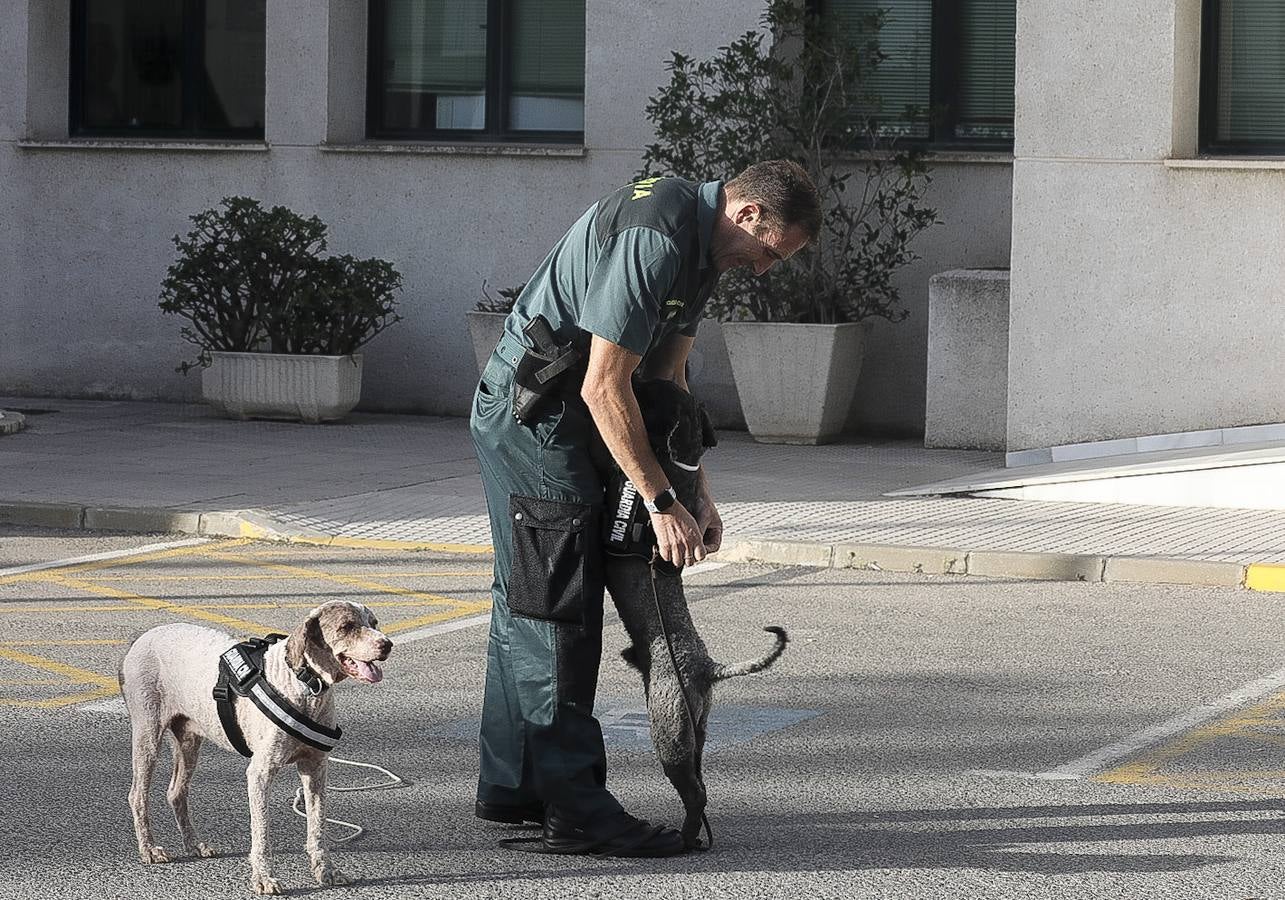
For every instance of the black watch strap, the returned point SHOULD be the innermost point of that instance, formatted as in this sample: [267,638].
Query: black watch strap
[662,502]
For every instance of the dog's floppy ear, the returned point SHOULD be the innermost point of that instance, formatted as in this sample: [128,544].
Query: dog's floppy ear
[708,437]
[308,633]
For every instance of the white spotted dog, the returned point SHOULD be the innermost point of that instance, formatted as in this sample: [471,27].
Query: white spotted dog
[277,708]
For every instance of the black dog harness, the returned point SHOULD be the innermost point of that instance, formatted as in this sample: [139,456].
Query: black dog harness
[241,675]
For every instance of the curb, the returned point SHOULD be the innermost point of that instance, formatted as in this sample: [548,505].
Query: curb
[1003,564]
[259,525]
[243,523]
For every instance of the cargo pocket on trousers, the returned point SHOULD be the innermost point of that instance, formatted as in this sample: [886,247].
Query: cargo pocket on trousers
[555,559]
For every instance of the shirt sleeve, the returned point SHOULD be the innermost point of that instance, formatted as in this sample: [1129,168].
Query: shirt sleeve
[635,270]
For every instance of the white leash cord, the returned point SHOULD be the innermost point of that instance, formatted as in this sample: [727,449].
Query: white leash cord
[357,831]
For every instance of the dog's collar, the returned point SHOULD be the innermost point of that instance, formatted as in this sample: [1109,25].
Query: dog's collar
[311,679]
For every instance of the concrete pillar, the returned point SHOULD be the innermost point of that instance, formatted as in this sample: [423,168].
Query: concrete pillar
[298,47]
[967,402]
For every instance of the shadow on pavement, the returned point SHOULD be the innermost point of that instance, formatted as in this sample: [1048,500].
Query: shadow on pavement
[847,842]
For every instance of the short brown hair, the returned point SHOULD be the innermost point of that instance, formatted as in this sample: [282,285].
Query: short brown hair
[785,193]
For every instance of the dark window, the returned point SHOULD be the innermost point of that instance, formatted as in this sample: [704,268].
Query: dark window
[509,70]
[947,80]
[167,68]
[1242,77]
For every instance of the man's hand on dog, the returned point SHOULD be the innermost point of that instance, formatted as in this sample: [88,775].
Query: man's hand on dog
[678,538]
[710,525]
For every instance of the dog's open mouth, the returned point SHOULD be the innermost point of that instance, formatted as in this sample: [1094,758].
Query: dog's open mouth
[362,669]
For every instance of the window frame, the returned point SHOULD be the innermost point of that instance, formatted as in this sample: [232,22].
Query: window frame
[499,89]
[1207,142]
[945,64]
[192,97]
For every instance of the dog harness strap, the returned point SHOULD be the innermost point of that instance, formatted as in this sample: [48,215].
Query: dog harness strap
[226,705]
[241,675]
[290,720]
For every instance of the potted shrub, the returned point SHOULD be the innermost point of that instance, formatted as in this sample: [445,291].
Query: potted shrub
[799,89]
[486,321]
[277,323]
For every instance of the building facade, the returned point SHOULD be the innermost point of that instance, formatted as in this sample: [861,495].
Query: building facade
[89,210]
[1148,185]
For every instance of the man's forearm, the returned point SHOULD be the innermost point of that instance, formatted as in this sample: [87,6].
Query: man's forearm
[620,422]
[609,394]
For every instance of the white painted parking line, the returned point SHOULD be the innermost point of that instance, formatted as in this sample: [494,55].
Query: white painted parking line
[428,631]
[1100,759]
[112,706]
[98,557]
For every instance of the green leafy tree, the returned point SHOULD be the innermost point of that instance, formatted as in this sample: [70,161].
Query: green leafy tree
[799,89]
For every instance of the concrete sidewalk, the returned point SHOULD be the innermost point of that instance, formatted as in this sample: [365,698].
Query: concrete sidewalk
[411,482]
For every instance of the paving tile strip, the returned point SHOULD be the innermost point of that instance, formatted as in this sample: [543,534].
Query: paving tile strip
[943,536]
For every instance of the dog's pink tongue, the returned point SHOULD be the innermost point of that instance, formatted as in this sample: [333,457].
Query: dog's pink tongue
[368,671]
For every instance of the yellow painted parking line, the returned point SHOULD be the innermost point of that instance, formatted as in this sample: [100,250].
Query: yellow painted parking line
[258,532]
[1247,723]
[1234,780]
[434,618]
[58,642]
[34,681]
[152,603]
[273,604]
[73,674]
[378,544]
[374,604]
[55,606]
[115,562]
[282,576]
[69,700]
[1262,577]
[363,583]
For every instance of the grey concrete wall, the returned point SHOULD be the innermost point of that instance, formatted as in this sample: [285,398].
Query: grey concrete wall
[1146,294]
[972,196]
[88,229]
[967,360]
[13,119]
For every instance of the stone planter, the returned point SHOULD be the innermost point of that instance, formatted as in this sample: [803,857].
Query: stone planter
[311,389]
[485,329]
[709,374]
[796,382]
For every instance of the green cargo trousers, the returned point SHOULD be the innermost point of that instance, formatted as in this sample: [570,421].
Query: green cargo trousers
[539,739]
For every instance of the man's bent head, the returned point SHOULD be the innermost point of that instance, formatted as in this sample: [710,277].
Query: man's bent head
[768,213]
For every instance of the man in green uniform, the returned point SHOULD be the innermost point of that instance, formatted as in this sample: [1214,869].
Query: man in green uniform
[625,287]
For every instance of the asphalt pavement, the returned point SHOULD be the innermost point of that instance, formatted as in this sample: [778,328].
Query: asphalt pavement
[923,736]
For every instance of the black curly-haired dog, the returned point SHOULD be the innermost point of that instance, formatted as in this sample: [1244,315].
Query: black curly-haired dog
[678,674]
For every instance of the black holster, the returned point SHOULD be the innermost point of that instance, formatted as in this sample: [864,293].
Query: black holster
[546,370]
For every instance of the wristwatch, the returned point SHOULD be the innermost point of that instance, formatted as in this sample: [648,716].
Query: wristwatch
[663,501]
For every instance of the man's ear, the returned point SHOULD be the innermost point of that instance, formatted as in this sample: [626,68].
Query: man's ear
[749,213]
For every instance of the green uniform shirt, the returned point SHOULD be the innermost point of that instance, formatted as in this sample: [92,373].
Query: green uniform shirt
[634,269]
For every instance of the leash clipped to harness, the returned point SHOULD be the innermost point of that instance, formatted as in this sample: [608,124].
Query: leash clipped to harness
[241,675]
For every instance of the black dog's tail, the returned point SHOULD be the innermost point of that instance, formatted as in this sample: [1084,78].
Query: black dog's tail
[750,666]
